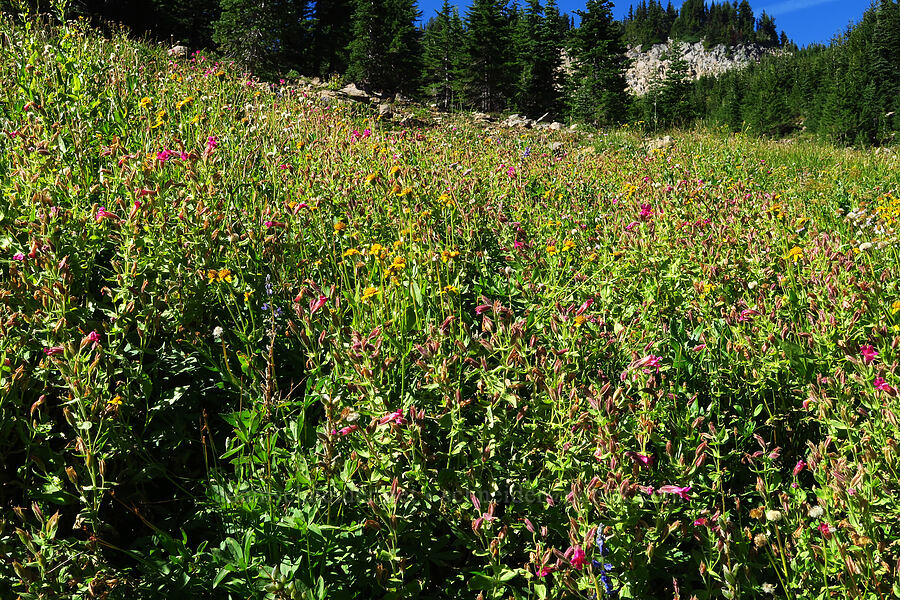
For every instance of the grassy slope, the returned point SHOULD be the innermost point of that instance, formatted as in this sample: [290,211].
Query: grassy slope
[214,297]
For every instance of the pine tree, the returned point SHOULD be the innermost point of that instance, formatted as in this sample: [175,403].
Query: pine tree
[442,57]
[539,46]
[332,31]
[256,32]
[598,80]
[766,33]
[489,74]
[385,52]
[885,57]
[691,21]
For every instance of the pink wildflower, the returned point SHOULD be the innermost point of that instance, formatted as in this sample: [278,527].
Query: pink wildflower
[801,464]
[641,459]
[868,352]
[396,417]
[587,304]
[631,225]
[681,492]
[55,350]
[882,385]
[94,337]
[315,305]
[826,530]
[699,347]
[345,430]
[102,213]
[546,571]
[211,142]
[578,559]
[646,211]
[18,256]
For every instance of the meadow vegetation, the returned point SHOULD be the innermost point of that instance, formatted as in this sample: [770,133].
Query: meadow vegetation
[255,345]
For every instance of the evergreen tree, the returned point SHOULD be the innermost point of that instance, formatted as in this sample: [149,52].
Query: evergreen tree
[691,21]
[885,58]
[598,79]
[443,58]
[489,76]
[385,51]
[332,31]
[675,92]
[539,56]
[745,22]
[256,33]
[766,33]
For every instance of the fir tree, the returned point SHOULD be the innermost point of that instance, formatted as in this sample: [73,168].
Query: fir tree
[385,51]
[332,31]
[256,33]
[598,79]
[539,56]
[489,76]
[442,57]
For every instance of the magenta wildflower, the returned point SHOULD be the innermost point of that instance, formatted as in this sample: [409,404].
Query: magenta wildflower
[632,225]
[396,417]
[826,530]
[587,304]
[646,211]
[868,352]
[316,304]
[882,385]
[211,142]
[102,213]
[801,464]
[546,571]
[18,256]
[681,492]
[641,459]
[94,337]
[54,351]
[345,430]
[699,347]
[578,559]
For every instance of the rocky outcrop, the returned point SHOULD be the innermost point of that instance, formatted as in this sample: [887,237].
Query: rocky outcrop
[652,65]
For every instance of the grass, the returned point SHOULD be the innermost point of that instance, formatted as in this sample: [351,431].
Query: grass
[253,345]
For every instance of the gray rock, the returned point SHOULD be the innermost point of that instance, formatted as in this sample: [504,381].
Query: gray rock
[177,52]
[385,111]
[556,126]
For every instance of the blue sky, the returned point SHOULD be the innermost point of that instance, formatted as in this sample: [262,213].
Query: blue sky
[804,21]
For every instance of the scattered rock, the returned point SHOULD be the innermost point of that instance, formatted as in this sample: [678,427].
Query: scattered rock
[556,126]
[482,117]
[518,121]
[177,52]
[385,111]
[354,93]
[660,143]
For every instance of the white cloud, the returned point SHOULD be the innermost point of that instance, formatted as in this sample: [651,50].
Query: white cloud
[789,6]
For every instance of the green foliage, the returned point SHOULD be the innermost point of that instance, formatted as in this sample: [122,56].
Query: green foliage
[846,92]
[598,79]
[489,53]
[443,58]
[539,37]
[253,345]
[385,52]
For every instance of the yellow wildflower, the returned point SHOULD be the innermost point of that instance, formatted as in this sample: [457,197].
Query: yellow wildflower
[186,102]
[568,245]
[371,177]
[551,249]
[794,254]
[394,170]
[895,307]
[339,226]
[447,255]
[579,320]
[350,252]
[449,289]
[115,401]
[146,101]
[369,292]
[376,249]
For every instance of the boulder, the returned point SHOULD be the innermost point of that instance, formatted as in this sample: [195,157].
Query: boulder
[177,52]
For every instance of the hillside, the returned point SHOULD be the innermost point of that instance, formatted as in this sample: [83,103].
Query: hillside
[261,343]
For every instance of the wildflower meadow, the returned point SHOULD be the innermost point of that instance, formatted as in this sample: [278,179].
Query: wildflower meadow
[256,343]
